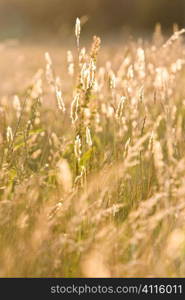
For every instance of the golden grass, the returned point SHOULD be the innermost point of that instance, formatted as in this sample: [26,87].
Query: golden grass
[92,178]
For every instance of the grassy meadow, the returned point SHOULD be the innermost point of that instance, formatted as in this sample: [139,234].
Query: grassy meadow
[92,159]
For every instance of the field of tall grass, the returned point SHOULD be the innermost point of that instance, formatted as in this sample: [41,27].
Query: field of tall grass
[92,161]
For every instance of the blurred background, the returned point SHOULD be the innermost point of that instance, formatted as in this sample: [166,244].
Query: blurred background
[38,18]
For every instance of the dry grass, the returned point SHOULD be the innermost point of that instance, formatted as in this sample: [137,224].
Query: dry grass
[92,154]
